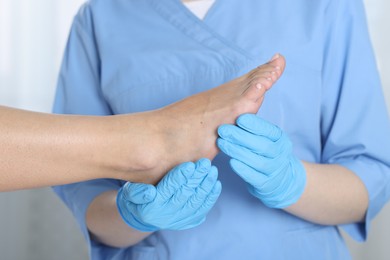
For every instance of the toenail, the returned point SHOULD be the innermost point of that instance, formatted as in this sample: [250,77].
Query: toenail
[277,67]
[275,57]
[259,86]
[269,79]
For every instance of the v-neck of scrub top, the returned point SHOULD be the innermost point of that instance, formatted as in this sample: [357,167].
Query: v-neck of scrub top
[188,23]
[199,8]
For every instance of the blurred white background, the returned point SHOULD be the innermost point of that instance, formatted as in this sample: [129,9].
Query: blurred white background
[34,224]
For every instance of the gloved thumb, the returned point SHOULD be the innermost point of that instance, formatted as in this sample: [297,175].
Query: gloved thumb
[139,193]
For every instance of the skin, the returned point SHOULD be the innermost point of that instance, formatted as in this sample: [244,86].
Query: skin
[206,111]
[333,195]
[199,124]
[40,149]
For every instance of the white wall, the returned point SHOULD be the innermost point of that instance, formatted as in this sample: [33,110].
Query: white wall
[34,224]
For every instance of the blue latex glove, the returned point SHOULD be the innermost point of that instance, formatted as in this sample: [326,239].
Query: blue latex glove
[181,200]
[262,156]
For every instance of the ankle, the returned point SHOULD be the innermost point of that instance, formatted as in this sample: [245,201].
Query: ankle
[135,145]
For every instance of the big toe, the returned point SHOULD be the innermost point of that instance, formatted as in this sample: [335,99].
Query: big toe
[279,63]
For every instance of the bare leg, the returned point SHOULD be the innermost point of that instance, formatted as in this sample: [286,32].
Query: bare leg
[187,129]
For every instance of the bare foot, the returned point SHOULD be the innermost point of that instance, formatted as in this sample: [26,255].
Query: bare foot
[187,130]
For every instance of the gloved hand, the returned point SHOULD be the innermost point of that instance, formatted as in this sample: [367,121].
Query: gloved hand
[181,200]
[262,156]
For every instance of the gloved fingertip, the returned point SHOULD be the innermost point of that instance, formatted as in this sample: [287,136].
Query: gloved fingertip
[217,188]
[222,130]
[213,172]
[140,193]
[203,165]
[187,168]
[245,119]
[234,163]
[256,125]
[221,143]
[213,195]
[150,194]
[237,166]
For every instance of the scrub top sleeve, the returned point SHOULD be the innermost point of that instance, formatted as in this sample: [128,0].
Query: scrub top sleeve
[78,88]
[78,92]
[78,196]
[354,122]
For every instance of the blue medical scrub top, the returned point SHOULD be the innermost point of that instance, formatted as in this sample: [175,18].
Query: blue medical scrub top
[127,56]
